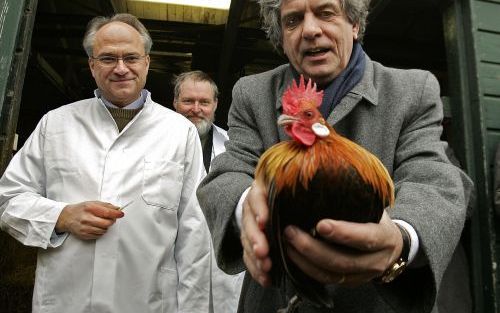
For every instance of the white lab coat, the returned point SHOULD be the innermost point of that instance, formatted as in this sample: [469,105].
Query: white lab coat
[218,138]
[226,289]
[154,259]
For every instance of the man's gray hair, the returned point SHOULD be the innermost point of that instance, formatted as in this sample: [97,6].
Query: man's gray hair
[196,76]
[97,22]
[356,12]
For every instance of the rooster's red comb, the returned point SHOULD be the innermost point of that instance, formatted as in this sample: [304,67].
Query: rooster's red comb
[295,94]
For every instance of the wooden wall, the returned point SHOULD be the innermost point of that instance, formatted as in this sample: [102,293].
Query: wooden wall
[487,27]
[472,36]
[485,24]
[176,13]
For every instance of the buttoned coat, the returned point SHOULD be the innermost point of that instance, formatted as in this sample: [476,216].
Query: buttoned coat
[395,114]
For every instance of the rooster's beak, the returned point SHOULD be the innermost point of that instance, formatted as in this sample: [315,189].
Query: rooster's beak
[284,120]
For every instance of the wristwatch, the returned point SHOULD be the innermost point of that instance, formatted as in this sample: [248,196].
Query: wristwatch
[399,266]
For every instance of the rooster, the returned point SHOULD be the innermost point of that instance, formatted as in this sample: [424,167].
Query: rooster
[316,175]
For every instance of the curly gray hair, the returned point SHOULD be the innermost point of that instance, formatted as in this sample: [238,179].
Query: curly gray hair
[355,10]
[97,22]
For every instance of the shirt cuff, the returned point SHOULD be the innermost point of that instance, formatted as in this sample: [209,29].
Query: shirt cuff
[414,243]
[239,208]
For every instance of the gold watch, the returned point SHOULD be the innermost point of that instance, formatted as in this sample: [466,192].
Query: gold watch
[400,265]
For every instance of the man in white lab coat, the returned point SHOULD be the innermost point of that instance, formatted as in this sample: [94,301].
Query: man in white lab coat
[195,97]
[105,188]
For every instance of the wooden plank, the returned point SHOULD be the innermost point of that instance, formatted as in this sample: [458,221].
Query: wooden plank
[492,112]
[211,17]
[220,17]
[498,2]
[487,15]
[136,8]
[179,13]
[151,10]
[188,14]
[162,11]
[493,141]
[120,6]
[488,46]
[204,16]
[196,15]
[489,79]
[175,12]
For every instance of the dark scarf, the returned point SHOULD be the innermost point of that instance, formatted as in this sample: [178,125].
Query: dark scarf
[207,149]
[342,84]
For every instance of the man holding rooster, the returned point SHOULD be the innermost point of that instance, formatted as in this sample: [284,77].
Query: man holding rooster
[395,265]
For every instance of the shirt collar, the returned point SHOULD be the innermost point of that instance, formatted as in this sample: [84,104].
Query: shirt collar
[134,105]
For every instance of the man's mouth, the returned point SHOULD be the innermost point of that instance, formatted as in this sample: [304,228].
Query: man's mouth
[120,80]
[194,117]
[315,51]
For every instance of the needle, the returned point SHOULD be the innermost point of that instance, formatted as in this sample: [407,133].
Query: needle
[126,205]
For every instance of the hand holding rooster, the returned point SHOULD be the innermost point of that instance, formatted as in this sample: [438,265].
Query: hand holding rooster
[376,245]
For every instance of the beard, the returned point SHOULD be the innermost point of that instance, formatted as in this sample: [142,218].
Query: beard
[204,126]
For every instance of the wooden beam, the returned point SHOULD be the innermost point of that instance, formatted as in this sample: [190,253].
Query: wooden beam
[53,76]
[469,145]
[16,26]
[226,56]
[119,6]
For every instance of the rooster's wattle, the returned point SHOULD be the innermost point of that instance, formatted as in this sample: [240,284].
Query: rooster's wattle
[316,175]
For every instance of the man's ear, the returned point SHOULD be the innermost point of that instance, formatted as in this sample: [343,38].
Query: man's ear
[147,62]
[91,66]
[355,31]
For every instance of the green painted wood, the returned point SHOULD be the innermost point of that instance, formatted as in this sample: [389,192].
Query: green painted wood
[492,1]
[487,15]
[462,20]
[10,15]
[493,141]
[489,78]
[488,46]
[492,112]
[446,107]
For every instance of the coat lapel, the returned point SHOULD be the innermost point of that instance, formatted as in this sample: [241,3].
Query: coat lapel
[363,90]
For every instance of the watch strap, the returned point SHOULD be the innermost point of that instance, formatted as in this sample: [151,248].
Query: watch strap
[399,266]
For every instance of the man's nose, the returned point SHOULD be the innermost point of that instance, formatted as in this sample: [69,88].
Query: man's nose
[120,67]
[312,27]
[196,107]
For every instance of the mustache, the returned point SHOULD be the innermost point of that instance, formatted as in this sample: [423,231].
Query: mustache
[198,116]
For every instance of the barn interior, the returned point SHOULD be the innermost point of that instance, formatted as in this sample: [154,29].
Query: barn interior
[226,43]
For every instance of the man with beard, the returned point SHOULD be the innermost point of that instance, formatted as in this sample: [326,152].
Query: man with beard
[195,97]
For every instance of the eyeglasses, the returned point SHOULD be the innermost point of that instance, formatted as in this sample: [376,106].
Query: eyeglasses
[112,61]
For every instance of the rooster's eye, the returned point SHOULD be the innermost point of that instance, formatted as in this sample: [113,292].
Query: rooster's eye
[308,114]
